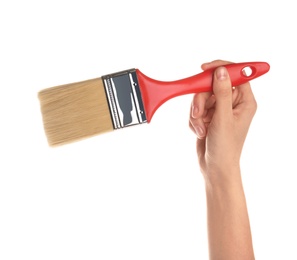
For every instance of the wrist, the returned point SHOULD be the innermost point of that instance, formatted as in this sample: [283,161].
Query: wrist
[222,178]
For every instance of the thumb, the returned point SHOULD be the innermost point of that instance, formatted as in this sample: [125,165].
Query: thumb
[222,88]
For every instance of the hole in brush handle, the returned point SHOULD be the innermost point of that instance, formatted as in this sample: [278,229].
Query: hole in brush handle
[247,71]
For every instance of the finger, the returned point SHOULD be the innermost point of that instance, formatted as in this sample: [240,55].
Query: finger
[210,102]
[235,96]
[214,64]
[222,89]
[201,149]
[198,127]
[208,117]
[246,92]
[245,103]
[198,104]
[197,112]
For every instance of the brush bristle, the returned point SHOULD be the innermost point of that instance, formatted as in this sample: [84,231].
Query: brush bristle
[75,111]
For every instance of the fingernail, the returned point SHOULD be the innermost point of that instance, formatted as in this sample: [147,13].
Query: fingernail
[221,73]
[194,111]
[199,131]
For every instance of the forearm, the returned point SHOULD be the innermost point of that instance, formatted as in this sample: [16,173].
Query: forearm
[229,230]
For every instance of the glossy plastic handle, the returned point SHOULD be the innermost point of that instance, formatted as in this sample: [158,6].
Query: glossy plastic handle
[154,93]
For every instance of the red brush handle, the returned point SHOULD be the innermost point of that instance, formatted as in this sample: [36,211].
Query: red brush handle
[155,93]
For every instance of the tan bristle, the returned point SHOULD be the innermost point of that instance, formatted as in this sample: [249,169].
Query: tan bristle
[74,111]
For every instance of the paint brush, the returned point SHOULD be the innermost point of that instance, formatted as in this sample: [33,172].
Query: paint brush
[83,109]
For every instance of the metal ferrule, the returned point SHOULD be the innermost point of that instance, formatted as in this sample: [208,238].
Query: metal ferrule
[124,98]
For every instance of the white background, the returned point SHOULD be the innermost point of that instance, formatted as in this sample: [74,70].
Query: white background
[137,193]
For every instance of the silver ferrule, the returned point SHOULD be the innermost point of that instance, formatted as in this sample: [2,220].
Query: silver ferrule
[124,98]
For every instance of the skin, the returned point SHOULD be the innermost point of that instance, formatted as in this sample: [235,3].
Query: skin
[221,121]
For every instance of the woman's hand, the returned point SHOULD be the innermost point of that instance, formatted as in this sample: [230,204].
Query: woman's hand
[221,121]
